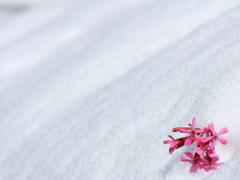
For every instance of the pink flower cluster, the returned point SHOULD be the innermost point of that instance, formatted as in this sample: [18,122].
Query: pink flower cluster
[205,156]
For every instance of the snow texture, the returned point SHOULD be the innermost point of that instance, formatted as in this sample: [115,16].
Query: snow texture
[90,89]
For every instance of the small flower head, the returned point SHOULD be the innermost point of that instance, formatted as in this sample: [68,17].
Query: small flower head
[210,163]
[215,136]
[205,156]
[194,160]
[192,132]
[174,143]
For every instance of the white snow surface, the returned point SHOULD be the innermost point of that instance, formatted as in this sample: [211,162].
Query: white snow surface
[89,90]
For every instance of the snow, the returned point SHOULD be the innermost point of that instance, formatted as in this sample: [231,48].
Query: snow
[89,89]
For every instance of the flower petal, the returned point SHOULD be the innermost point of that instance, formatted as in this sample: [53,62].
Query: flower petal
[206,168]
[184,131]
[206,130]
[212,153]
[189,155]
[219,164]
[197,140]
[172,143]
[199,150]
[212,145]
[211,127]
[206,139]
[193,169]
[185,159]
[223,131]
[171,137]
[188,141]
[199,130]
[166,142]
[214,159]
[223,141]
[172,149]
[194,123]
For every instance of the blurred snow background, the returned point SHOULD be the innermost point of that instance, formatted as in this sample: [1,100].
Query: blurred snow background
[90,89]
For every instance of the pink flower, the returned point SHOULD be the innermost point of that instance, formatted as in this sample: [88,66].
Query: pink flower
[195,161]
[215,136]
[204,146]
[193,133]
[175,143]
[211,149]
[205,156]
[210,163]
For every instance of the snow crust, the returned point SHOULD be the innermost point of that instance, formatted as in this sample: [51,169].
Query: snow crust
[89,89]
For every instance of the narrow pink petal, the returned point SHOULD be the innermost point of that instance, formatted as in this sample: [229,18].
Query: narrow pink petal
[199,130]
[223,141]
[197,140]
[214,159]
[223,131]
[206,139]
[212,145]
[171,137]
[185,159]
[206,168]
[188,141]
[184,131]
[193,169]
[166,142]
[189,155]
[206,130]
[172,149]
[219,164]
[199,150]
[211,127]
[194,123]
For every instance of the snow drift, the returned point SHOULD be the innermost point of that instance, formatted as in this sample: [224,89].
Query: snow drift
[90,90]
